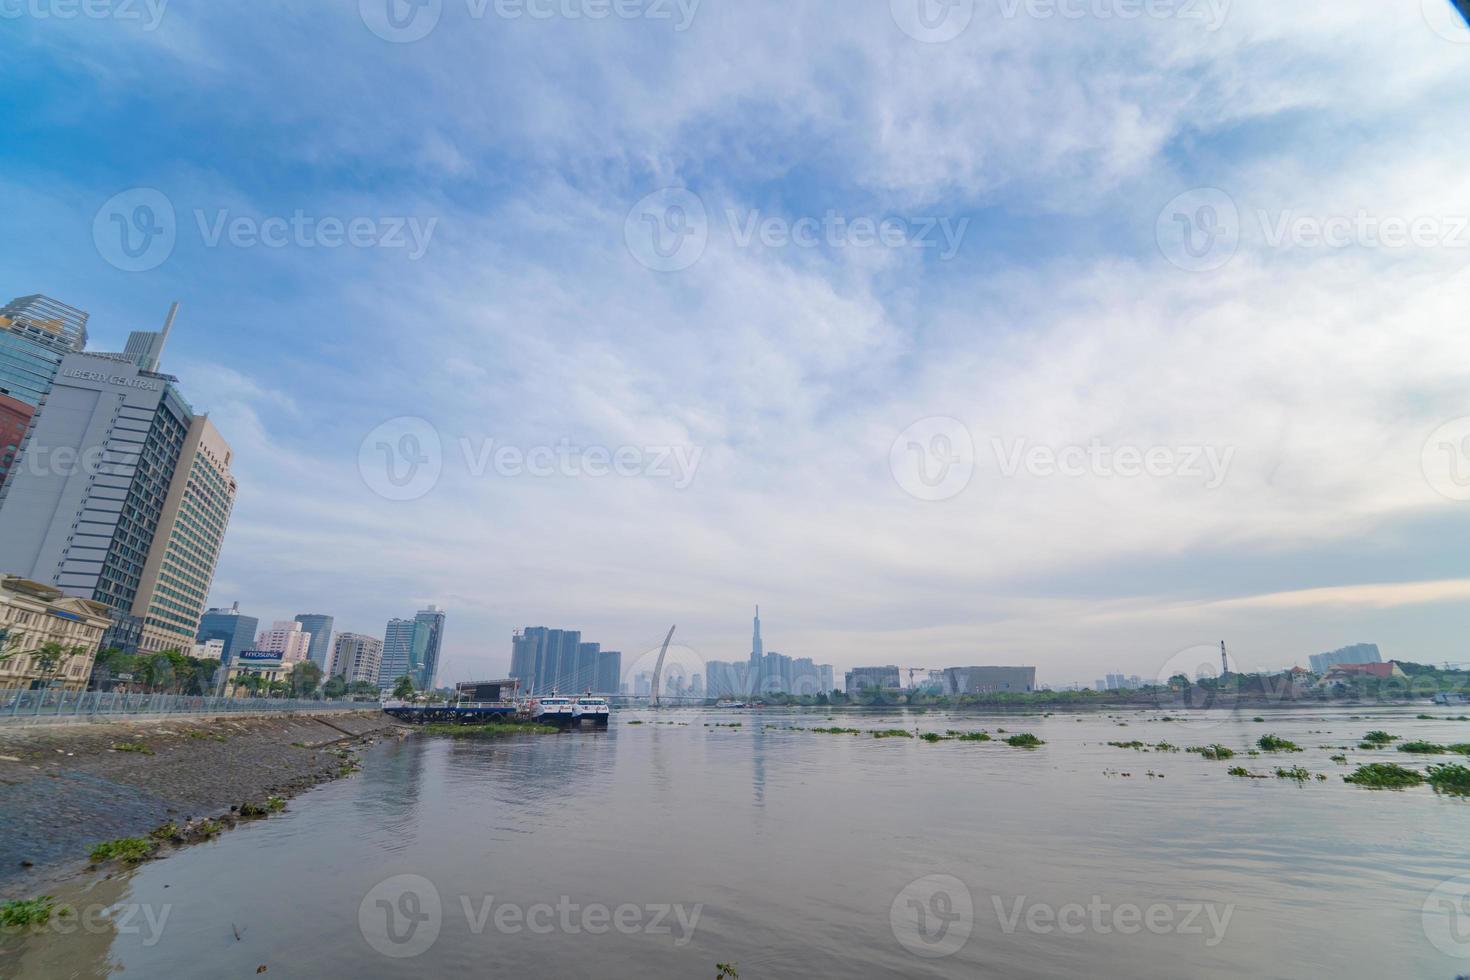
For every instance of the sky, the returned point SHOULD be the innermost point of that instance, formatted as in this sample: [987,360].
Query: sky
[1075,333]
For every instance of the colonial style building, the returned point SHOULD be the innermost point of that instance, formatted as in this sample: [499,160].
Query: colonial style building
[33,615]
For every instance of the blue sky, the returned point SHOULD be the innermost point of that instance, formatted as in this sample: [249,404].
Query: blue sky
[1059,154]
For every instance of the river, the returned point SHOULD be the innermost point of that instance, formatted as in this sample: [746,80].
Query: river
[661,849]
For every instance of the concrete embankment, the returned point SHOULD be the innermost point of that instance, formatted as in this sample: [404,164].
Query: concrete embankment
[64,789]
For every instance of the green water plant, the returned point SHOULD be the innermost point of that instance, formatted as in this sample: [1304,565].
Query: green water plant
[23,912]
[1452,780]
[1298,773]
[893,733]
[1024,740]
[1273,743]
[1213,752]
[1423,748]
[129,850]
[1380,737]
[1384,775]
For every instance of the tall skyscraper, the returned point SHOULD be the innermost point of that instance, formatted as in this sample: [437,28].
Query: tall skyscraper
[83,505]
[546,660]
[757,655]
[411,648]
[397,650]
[428,640]
[320,628]
[609,672]
[191,530]
[228,625]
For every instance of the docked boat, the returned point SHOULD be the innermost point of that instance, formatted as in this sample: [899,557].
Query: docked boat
[552,710]
[590,710]
[1444,698]
[731,704]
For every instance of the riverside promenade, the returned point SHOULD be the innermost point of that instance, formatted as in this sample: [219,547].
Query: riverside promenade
[56,707]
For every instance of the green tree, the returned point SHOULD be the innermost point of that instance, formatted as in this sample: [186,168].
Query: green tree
[48,659]
[403,688]
[304,679]
[362,689]
[335,687]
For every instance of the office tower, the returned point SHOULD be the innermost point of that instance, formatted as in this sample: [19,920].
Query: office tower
[545,660]
[356,657]
[397,647]
[191,529]
[287,638]
[236,631]
[428,639]
[320,628]
[145,347]
[411,647]
[82,507]
[829,682]
[609,672]
[48,322]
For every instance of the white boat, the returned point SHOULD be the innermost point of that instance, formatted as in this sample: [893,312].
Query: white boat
[730,704]
[590,710]
[552,710]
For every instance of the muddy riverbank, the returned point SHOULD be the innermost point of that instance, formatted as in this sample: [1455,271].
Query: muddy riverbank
[64,789]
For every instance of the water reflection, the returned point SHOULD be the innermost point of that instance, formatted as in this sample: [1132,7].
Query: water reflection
[798,847]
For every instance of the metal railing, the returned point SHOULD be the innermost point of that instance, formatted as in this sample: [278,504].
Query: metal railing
[27,705]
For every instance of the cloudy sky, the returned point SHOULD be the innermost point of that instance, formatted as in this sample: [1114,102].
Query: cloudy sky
[1075,333]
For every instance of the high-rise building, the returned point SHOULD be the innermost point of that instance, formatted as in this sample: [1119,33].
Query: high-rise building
[757,654]
[356,657]
[397,647]
[236,631]
[82,507]
[49,322]
[609,672]
[428,640]
[287,638]
[191,529]
[35,334]
[546,660]
[320,628]
[411,648]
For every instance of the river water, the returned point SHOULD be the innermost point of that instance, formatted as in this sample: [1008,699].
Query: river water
[661,849]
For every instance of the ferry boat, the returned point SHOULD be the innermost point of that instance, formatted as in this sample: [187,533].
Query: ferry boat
[1443,698]
[552,710]
[590,710]
[731,704]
